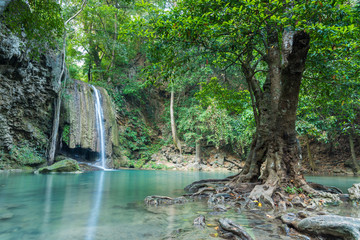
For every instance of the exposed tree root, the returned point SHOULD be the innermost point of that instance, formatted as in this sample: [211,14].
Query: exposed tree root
[230,230]
[235,163]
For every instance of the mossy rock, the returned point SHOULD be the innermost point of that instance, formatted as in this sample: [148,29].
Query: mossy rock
[67,165]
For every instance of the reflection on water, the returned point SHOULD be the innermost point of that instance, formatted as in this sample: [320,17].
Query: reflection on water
[47,204]
[96,207]
[92,205]
[109,205]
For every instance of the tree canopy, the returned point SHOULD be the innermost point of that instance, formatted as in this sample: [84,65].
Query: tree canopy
[250,75]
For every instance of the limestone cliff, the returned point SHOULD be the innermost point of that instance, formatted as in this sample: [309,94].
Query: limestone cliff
[27,91]
[78,127]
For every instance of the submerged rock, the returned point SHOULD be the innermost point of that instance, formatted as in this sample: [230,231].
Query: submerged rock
[164,200]
[6,216]
[68,165]
[331,225]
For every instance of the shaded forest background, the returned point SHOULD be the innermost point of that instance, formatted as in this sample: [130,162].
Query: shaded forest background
[124,47]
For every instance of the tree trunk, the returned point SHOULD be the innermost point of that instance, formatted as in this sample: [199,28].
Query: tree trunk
[57,105]
[274,155]
[310,157]
[173,124]
[198,152]
[353,155]
[113,49]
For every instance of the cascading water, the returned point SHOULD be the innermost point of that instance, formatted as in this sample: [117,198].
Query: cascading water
[100,126]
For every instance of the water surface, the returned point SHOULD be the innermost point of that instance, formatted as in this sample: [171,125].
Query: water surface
[109,205]
[341,182]
[92,205]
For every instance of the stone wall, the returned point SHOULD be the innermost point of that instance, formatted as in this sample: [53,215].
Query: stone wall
[26,95]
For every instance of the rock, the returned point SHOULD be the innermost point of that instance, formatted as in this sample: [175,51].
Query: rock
[154,157]
[220,159]
[354,192]
[68,165]
[229,229]
[79,122]
[6,216]
[331,225]
[164,200]
[200,221]
[194,166]
[27,92]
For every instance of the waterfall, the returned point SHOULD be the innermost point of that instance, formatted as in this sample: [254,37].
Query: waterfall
[100,126]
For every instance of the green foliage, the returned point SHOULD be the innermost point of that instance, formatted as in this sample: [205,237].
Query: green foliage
[24,154]
[40,20]
[66,134]
[199,49]
[293,190]
[155,166]
[4,161]
[212,125]
[231,100]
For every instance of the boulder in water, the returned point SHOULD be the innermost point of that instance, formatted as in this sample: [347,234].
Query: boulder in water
[331,226]
[67,165]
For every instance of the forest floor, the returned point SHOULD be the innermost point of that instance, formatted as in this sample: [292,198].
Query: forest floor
[328,159]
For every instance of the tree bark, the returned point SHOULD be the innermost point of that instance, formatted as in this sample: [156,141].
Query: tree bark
[274,155]
[113,49]
[173,124]
[57,105]
[198,152]
[353,155]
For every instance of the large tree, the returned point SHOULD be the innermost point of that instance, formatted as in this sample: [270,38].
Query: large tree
[269,42]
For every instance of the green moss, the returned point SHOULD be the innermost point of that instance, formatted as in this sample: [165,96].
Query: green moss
[67,165]
[24,154]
